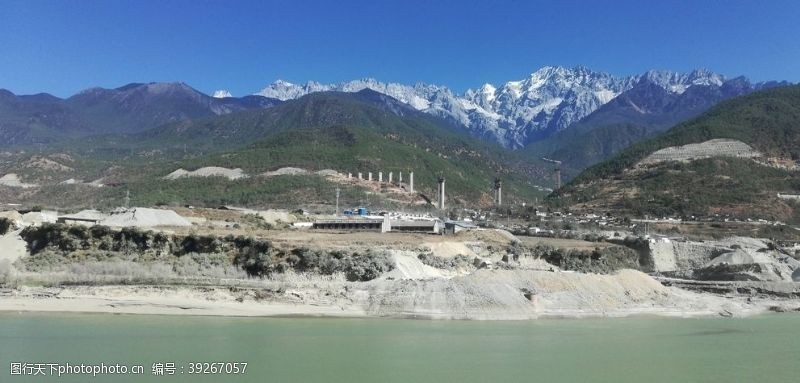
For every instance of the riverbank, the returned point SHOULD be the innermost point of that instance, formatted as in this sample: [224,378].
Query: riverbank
[482,295]
[477,275]
[154,300]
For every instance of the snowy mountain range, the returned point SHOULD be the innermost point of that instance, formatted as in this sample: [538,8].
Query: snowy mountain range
[517,112]
[548,103]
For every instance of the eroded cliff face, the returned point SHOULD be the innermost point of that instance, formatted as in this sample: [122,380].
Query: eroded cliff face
[732,259]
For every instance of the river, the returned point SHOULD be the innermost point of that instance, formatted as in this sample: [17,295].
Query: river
[760,349]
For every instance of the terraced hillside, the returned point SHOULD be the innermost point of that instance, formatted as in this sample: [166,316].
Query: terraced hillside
[767,121]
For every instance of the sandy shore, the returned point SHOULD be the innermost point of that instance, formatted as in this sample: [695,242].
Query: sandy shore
[181,306]
[136,304]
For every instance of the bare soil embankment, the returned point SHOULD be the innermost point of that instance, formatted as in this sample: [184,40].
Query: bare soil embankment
[411,291]
[480,275]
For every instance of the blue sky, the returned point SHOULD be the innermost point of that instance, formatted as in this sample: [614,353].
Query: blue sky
[62,47]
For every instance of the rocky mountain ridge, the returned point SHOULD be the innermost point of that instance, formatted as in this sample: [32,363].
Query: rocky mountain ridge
[43,118]
[517,112]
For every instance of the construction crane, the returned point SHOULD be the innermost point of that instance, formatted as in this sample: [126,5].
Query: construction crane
[556,171]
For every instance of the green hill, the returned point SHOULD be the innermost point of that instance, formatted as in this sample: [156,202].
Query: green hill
[768,121]
[347,132]
[351,132]
[367,108]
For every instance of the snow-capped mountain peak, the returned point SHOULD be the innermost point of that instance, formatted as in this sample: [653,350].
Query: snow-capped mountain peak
[678,82]
[488,89]
[548,100]
[284,90]
[517,112]
[221,94]
[705,77]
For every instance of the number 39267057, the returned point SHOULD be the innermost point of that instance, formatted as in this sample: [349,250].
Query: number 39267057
[217,368]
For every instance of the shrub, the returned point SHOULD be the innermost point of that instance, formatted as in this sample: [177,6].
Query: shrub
[459,261]
[258,263]
[365,267]
[46,260]
[57,247]
[599,260]
[6,225]
[355,266]
[200,244]
[46,235]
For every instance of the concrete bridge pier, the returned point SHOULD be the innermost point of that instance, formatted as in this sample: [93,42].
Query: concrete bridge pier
[441,193]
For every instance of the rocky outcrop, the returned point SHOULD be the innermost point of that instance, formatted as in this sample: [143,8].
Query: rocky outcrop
[208,171]
[749,265]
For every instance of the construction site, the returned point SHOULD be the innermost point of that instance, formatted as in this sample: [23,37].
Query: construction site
[341,260]
[376,251]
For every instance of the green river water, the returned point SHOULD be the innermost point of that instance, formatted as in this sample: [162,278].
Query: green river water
[760,349]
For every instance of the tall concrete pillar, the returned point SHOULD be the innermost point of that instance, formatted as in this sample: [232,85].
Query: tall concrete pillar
[558,177]
[498,191]
[400,178]
[499,196]
[349,175]
[360,176]
[390,177]
[380,176]
[411,182]
[386,225]
[369,176]
[441,193]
